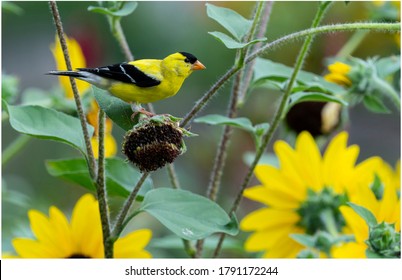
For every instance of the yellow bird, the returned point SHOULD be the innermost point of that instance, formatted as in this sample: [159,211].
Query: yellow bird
[140,81]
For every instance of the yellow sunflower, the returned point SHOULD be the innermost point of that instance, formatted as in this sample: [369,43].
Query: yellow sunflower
[383,203]
[77,61]
[300,194]
[110,142]
[338,74]
[55,237]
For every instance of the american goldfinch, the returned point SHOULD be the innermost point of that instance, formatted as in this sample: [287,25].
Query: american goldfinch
[140,81]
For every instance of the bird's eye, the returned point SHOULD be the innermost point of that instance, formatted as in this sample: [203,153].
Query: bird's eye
[186,60]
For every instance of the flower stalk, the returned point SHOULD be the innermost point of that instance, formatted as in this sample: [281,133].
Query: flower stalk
[101,188]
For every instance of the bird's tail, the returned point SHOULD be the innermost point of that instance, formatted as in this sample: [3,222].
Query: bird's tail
[73,74]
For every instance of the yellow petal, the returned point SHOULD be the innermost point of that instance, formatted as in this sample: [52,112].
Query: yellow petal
[271,197]
[351,250]
[277,179]
[110,146]
[268,218]
[47,232]
[28,248]
[356,223]
[86,227]
[310,158]
[285,247]
[132,245]
[77,61]
[388,205]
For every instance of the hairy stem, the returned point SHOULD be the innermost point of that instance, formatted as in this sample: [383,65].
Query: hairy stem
[77,98]
[277,117]
[118,227]
[101,188]
[118,33]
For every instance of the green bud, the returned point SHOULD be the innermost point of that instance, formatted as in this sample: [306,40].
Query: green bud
[384,240]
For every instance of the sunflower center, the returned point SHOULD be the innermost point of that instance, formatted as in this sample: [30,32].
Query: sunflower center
[321,210]
[78,256]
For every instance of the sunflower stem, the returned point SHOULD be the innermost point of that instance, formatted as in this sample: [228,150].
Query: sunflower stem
[59,28]
[101,188]
[203,101]
[14,148]
[118,227]
[277,117]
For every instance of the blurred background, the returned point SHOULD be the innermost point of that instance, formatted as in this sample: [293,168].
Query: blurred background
[154,30]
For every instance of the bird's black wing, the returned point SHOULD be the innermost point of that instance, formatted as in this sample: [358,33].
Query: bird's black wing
[125,73]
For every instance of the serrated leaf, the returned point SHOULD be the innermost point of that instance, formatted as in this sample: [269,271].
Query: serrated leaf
[116,109]
[363,212]
[236,24]
[120,176]
[188,215]
[48,124]
[231,43]
[126,10]
[214,119]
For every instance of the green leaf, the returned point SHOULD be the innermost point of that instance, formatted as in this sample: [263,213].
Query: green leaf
[230,43]
[125,10]
[299,97]
[120,176]
[267,71]
[236,24]
[188,215]
[375,104]
[11,7]
[116,109]
[387,66]
[304,239]
[364,213]
[48,124]
[214,119]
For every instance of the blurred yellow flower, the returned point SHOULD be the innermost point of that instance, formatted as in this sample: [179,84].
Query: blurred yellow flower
[298,192]
[77,61]
[81,238]
[338,74]
[110,142]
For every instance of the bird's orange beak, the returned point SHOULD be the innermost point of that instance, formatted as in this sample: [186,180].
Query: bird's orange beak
[198,66]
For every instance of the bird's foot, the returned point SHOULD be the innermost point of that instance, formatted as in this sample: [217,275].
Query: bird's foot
[143,112]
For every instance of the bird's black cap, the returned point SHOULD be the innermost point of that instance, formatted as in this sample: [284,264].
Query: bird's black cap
[191,58]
